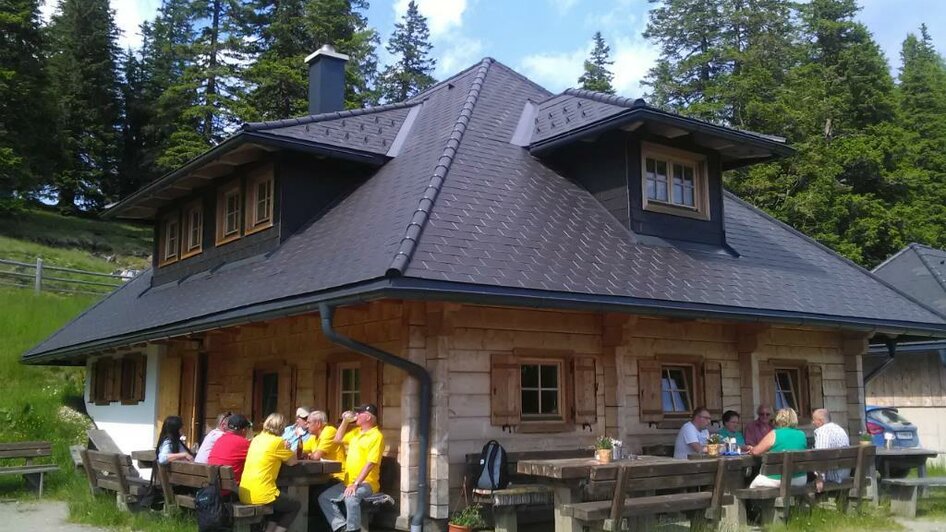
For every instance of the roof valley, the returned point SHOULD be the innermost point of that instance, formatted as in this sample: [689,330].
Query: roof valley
[422,213]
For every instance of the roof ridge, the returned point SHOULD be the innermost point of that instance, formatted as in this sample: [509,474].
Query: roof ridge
[308,119]
[419,220]
[891,258]
[926,263]
[834,254]
[612,99]
[424,93]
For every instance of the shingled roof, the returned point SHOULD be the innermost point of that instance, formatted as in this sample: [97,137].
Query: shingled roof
[462,213]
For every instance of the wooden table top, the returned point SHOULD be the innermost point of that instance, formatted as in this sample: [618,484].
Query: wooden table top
[581,468]
[907,451]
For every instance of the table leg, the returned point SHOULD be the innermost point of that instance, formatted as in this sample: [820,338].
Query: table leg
[301,494]
[566,494]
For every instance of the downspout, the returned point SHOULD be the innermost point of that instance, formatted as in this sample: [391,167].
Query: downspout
[423,423]
[891,353]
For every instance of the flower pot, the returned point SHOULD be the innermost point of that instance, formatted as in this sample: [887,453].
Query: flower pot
[458,528]
[865,443]
[603,456]
[712,449]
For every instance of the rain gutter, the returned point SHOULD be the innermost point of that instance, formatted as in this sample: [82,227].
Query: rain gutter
[424,411]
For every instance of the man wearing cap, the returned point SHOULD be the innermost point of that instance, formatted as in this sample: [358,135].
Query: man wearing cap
[230,449]
[203,453]
[297,433]
[362,469]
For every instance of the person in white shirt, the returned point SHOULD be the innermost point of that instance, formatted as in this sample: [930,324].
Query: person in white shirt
[829,435]
[693,434]
[203,453]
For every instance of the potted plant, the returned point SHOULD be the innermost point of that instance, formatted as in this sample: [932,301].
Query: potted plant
[866,439]
[712,444]
[603,447]
[467,519]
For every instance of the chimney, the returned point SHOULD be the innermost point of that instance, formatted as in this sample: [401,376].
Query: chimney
[326,80]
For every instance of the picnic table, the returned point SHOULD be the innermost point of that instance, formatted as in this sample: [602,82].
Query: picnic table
[901,458]
[297,480]
[567,476]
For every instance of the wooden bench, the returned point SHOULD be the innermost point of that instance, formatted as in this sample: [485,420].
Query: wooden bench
[111,472]
[697,489]
[522,492]
[904,493]
[188,477]
[28,450]
[777,502]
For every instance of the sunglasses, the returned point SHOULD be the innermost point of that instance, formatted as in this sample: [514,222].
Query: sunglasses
[765,414]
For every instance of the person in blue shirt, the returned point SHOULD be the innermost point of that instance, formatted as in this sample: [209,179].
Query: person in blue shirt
[297,433]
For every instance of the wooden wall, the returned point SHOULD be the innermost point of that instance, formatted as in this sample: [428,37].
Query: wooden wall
[913,380]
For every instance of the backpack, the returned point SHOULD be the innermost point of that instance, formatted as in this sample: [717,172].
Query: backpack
[212,512]
[492,474]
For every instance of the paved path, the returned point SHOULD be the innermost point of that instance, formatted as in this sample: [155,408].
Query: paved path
[39,516]
[920,525]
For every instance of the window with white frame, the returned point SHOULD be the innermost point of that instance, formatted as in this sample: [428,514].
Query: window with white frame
[193,229]
[349,386]
[676,388]
[170,239]
[787,388]
[674,181]
[259,200]
[229,208]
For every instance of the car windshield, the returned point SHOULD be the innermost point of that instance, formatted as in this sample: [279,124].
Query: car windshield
[889,417]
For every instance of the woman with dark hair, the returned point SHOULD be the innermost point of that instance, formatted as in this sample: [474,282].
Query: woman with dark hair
[170,447]
[731,428]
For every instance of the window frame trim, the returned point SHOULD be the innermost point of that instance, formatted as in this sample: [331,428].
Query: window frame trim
[701,209]
[223,192]
[195,205]
[802,391]
[561,363]
[254,179]
[339,367]
[163,238]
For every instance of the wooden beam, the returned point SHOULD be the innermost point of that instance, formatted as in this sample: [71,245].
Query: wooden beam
[616,329]
[747,337]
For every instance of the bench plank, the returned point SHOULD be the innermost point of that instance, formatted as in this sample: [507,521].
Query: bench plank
[33,474]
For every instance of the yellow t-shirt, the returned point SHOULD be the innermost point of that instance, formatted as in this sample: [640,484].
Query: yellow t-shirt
[330,450]
[364,447]
[265,456]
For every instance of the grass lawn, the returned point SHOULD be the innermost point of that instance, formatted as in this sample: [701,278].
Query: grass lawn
[830,520]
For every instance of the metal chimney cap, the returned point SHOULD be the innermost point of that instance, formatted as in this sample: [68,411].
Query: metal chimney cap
[327,50]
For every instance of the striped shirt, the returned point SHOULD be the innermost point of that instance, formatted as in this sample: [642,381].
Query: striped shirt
[830,436]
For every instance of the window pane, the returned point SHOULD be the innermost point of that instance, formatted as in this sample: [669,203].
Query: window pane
[530,402]
[549,402]
[667,401]
[549,376]
[270,399]
[661,191]
[530,376]
[661,171]
[688,197]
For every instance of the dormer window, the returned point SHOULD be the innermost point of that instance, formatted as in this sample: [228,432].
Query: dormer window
[228,213]
[674,182]
[170,240]
[193,233]
[259,201]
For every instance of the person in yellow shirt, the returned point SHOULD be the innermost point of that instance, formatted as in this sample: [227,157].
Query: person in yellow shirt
[362,469]
[322,444]
[267,452]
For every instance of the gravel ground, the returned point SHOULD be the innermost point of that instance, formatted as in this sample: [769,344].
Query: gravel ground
[39,516]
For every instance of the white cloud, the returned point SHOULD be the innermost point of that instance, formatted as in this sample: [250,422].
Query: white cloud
[129,14]
[457,53]
[442,15]
[563,6]
[558,71]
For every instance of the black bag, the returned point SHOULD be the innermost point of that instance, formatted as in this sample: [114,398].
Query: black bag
[212,511]
[152,499]
[492,474]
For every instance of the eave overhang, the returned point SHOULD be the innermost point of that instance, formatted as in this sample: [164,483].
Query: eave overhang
[736,148]
[242,148]
[431,290]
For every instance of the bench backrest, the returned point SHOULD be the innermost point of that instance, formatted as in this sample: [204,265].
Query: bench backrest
[857,458]
[106,470]
[26,449]
[703,475]
[193,477]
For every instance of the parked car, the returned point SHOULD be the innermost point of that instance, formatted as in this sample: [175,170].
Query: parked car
[881,419]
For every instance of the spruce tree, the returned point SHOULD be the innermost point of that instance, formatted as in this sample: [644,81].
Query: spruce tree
[85,81]
[597,77]
[26,107]
[413,66]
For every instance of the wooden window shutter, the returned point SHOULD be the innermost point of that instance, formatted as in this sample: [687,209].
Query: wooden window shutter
[110,380]
[505,397]
[713,388]
[815,387]
[585,389]
[648,380]
[138,390]
[766,384]
[94,382]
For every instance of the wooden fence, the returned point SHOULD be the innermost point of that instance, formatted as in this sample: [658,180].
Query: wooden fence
[42,277]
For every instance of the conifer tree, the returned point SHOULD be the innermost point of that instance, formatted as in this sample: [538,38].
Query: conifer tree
[84,74]
[597,77]
[26,109]
[413,66]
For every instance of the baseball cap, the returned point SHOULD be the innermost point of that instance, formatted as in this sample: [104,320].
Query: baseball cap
[370,408]
[302,412]
[237,422]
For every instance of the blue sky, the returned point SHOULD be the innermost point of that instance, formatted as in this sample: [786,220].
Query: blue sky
[547,40]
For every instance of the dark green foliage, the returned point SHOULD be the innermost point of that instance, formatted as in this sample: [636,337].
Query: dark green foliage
[410,45]
[26,106]
[85,81]
[597,77]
